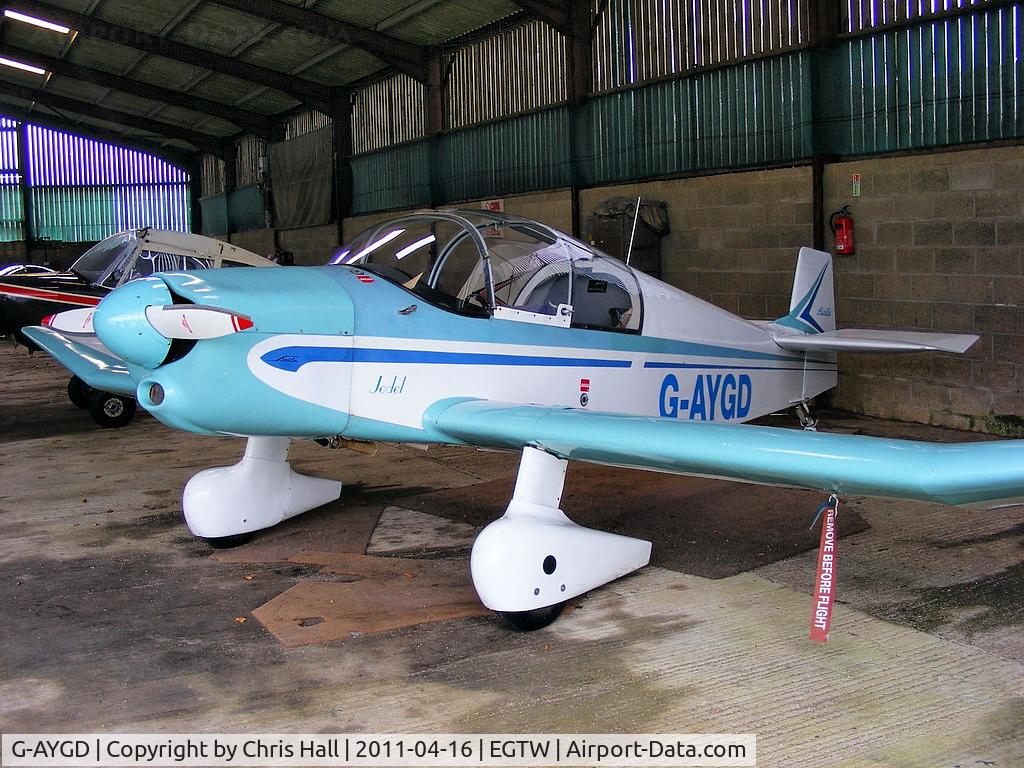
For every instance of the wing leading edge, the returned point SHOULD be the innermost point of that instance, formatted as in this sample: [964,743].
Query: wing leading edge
[96,369]
[971,473]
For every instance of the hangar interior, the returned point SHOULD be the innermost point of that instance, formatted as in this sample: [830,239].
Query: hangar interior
[294,125]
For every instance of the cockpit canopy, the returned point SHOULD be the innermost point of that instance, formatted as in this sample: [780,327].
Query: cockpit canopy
[139,253]
[481,264]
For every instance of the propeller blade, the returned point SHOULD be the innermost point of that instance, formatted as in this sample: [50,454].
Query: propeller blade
[195,321]
[71,320]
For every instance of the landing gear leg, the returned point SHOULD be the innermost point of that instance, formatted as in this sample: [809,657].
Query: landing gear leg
[526,564]
[807,421]
[224,504]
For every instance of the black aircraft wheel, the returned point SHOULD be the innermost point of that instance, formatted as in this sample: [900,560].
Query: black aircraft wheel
[227,542]
[538,618]
[110,410]
[78,392]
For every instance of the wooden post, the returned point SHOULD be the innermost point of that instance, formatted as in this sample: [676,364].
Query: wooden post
[28,224]
[228,155]
[195,188]
[437,87]
[824,31]
[580,88]
[341,116]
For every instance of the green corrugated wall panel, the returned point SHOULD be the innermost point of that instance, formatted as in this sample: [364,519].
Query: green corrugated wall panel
[751,114]
[215,214]
[517,155]
[943,82]
[245,209]
[397,177]
[935,83]
[11,214]
[74,214]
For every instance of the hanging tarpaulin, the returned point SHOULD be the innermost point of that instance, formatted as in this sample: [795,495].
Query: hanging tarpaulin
[653,213]
[301,177]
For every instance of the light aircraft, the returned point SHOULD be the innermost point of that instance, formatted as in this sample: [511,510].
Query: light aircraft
[32,295]
[482,329]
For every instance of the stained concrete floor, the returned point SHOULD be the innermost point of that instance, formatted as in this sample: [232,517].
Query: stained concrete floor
[112,617]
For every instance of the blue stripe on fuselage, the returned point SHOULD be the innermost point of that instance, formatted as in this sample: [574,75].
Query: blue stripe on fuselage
[716,367]
[293,358]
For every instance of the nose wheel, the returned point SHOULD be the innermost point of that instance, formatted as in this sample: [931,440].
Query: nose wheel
[111,411]
[224,505]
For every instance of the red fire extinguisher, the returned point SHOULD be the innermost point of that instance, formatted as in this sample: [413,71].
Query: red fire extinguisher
[841,223]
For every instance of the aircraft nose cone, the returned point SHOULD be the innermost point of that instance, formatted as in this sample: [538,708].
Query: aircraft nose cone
[120,322]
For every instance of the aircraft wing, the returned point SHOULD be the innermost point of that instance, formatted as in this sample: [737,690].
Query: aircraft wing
[970,473]
[98,370]
[858,340]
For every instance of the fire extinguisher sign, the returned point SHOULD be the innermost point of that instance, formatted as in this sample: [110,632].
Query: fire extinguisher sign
[856,185]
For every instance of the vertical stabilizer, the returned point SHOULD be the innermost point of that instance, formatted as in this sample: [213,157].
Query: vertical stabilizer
[812,308]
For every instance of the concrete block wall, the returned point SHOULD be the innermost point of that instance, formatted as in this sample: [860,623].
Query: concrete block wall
[310,245]
[55,254]
[734,237]
[551,208]
[13,253]
[259,241]
[939,248]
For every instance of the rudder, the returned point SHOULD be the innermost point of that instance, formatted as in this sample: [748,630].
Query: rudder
[812,308]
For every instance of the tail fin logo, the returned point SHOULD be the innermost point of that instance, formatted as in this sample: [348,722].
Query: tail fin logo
[802,312]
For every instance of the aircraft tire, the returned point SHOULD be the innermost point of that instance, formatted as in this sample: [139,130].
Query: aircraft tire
[78,392]
[227,542]
[529,621]
[110,411]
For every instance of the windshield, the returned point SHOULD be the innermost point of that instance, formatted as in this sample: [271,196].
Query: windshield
[480,264]
[95,262]
[434,257]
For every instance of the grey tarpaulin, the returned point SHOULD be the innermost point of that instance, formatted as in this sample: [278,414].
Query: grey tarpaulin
[653,213]
[300,175]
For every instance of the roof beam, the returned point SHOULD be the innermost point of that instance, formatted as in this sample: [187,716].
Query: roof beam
[204,141]
[307,91]
[252,121]
[179,157]
[405,57]
[554,14]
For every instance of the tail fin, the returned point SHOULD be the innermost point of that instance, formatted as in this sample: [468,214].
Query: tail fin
[812,308]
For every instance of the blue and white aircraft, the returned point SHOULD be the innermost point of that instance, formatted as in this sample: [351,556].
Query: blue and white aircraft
[487,330]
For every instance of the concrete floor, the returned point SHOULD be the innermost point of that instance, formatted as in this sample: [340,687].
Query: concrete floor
[112,617]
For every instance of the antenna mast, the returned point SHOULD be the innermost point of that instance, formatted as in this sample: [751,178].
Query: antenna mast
[632,232]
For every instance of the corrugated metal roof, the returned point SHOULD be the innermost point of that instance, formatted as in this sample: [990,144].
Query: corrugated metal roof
[452,19]
[145,15]
[33,38]
[286,48]
[243,36]
[100,54]
[228,90]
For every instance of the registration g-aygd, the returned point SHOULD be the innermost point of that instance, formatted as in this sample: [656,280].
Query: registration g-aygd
[372,750]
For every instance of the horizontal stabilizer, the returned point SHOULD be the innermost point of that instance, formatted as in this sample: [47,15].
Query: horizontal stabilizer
[965,473]
[98,370]
[859,340]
